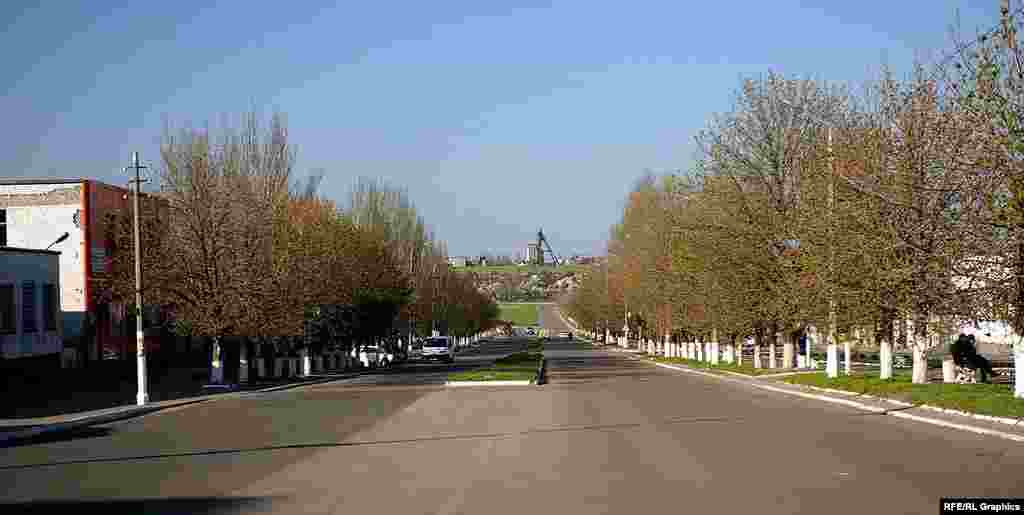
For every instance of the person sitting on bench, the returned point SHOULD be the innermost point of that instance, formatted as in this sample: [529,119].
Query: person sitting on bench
[965,354]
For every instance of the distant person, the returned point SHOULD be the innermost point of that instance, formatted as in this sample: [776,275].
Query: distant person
[965,354]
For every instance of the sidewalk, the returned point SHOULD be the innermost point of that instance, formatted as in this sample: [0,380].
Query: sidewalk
[25,429]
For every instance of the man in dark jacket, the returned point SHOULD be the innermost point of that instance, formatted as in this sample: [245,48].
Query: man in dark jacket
[965,354]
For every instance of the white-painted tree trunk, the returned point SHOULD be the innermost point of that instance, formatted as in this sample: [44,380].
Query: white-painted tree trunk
[886,356]
[714,347]
[846,357]
[812,335]
[261,368]
[216,363]
[243,363]
[739,354]
[757,355]
[948,370]
[700,350]
[920,371]
[831,357]
[1018,367]
[832,360]
[278,367]
[307,365]
[771,351]
[787,352]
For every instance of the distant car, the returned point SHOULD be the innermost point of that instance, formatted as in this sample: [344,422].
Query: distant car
[438,348]
[531,332]
[565,334]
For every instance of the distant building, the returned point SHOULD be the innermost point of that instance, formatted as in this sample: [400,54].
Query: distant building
[29,303]
[457,261]
[533,253]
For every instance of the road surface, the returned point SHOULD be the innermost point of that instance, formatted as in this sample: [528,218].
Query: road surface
[608,434]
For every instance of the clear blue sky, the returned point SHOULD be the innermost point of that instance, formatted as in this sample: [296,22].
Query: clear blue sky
[499,120]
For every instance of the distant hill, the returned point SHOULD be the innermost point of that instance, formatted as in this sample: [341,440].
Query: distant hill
[522,283]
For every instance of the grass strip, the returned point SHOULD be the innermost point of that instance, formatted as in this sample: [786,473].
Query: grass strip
[983,399]
[521,366]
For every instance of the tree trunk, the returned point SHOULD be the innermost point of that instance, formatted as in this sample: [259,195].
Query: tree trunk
[832,360]
[757,352]
[886,356]
[846,350]
[771,350]
[715,350]
[1018,366]
[917,340]
[787,353]
[216,363]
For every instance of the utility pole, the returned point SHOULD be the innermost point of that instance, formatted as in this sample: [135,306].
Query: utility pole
[142,397]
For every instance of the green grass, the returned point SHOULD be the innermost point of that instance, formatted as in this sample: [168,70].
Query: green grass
[731,367]
[519,314]
[984,399]
[521,366]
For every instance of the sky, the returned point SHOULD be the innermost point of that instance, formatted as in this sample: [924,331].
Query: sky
[499,118]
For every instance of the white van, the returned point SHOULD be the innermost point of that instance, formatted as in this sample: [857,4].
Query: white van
[438,348]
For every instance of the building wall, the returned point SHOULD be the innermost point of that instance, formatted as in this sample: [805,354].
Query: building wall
[38,214]
[15,269]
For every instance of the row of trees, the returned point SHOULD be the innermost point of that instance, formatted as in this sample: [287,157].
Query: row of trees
[891,213]
[239,247]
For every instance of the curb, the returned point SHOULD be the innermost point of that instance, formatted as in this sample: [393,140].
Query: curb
[865,407]
[12,438]
[487,383]
[542,375]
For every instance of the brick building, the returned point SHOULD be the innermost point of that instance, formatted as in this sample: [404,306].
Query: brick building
[36,212]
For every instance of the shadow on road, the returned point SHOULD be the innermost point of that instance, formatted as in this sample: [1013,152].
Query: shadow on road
[169,506]
[60,436]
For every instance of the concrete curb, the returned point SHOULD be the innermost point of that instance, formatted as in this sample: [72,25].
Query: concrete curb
[11,438]
[488,383]
[542,375]
[863,407]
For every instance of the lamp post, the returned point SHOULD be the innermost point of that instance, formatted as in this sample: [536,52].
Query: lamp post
[142,397]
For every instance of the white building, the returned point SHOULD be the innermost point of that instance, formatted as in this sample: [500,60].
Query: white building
[29,303]
[34,213]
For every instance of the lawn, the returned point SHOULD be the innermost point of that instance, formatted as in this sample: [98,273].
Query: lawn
[519,314]
[984,399]
[731,367]
[517,367]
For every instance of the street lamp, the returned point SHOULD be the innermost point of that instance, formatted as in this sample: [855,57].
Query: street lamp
[59,240]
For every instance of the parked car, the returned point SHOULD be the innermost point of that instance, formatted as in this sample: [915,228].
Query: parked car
[438,348]
[416,350]
[565,334]
[375,357]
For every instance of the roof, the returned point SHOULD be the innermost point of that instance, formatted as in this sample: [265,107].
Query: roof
[30,251]
[40,180]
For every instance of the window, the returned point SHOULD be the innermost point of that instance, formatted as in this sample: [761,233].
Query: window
[50,307]
[28,307]
[7,322]
[3,227]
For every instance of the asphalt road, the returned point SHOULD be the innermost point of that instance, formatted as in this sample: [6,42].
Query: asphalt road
[608,434]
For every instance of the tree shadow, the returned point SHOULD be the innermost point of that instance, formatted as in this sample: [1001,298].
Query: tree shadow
[60,436]
[149,506]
